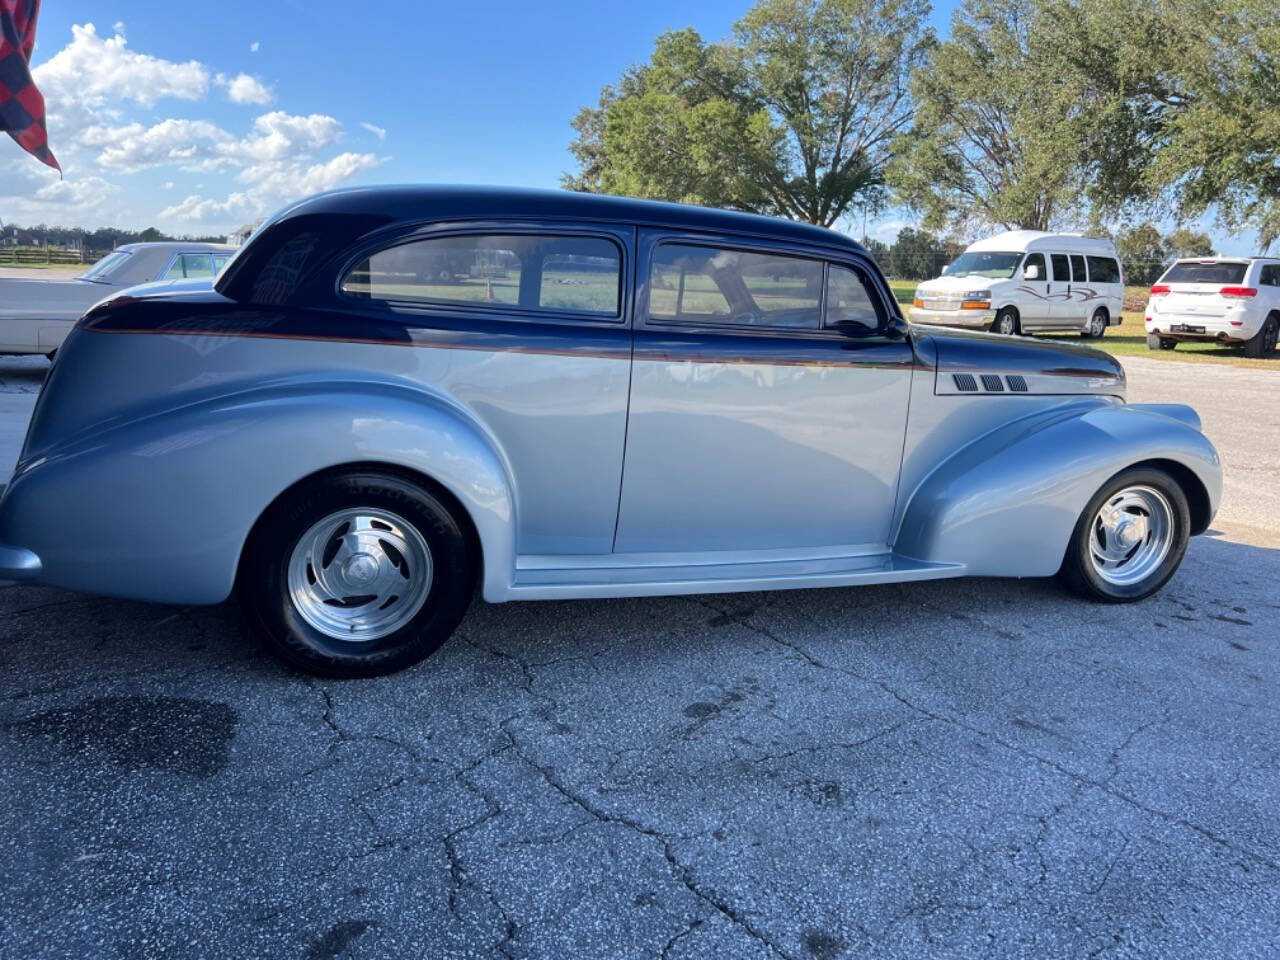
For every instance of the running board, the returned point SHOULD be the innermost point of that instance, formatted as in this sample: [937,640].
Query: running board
[537,579]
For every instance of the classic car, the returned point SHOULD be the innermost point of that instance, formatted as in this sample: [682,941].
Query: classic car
[37,315]
[391,396]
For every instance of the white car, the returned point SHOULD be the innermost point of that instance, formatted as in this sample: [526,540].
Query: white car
[1025,281]
[1227,300]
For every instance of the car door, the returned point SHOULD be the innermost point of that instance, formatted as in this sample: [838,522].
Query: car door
[1062,312]
[756,423]
[1082,298]
[1033,294]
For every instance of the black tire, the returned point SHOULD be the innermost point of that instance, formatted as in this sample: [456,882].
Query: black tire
[263,585]
[1263,342]
[1097,325]
[1078,571]
[1157,342]
[1007,323]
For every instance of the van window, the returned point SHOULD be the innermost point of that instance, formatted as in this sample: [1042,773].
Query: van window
[1061,266]
[1036,260]
[1103,270]
[989,264]
[530,271]
[1205,273]
[1077,269]
[693,284]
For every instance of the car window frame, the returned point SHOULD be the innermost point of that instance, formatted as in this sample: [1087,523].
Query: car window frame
[621,236]
[828,257]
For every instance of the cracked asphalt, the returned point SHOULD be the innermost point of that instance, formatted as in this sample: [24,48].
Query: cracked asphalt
[964,768]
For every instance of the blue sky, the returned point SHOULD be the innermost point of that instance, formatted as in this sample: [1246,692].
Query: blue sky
[198,124]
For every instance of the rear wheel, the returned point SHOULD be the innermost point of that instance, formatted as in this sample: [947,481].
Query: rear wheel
[1006,322]
[1097,325]
[1130,538]
[1263,342]
[357,574]
[1157,342]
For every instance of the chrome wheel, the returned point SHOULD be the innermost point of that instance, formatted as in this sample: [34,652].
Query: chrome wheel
[360,574]
[1098,324]
[1131,535]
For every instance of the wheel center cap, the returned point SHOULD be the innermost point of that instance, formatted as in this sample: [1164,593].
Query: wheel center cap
[360,568]
[1127,534]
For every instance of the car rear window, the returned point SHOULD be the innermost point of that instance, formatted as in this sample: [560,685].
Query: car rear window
[695,284]
[529,271]
[1196,272]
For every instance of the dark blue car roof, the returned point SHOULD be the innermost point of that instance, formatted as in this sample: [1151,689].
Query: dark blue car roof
[312,230]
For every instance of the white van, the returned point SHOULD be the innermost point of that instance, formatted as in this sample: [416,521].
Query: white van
[1025,281]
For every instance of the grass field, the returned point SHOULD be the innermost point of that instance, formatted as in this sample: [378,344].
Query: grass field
[1130,339]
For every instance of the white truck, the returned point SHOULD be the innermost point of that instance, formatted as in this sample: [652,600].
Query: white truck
[1026,281]
[1234,301]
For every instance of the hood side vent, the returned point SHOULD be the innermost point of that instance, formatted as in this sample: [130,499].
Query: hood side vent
[964,382]
[992,384]
[1017,383]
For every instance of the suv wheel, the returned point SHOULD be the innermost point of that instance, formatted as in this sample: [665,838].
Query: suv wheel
[356,574]
[1130,538]
[1264,341]
[1006,322]
[1157,342]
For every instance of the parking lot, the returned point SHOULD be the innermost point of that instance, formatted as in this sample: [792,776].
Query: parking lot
[972,767]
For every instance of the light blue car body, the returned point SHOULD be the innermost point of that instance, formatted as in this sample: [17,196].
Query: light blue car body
[616,459]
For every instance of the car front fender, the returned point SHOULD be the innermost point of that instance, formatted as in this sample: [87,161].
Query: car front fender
[107,513]
[1007,503]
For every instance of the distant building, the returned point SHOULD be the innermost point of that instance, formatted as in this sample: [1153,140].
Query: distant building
[241,234]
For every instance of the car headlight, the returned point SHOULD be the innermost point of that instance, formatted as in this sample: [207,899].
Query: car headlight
[978,295]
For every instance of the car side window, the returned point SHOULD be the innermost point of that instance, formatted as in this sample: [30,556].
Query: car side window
[849,300]
[1270,275]
[697,284]
[220,261]
[189,265]
[1077,269]
[1061,266]
[1036,260]
[531,271]
[1103,270]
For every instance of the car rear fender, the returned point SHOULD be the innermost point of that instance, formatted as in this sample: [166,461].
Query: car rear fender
[1007,503]
[107,513]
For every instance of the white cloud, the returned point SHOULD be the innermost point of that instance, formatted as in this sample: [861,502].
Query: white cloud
[91,72]
[168,184]
[83,200]
[242,88]
[254,47]
[270,186]
[191,144]
[377,131]
[118,27]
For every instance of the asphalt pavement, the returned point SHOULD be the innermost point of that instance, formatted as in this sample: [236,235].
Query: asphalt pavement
[957,768]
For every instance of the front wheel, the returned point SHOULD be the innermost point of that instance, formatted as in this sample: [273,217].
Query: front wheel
[1006,322]
[1130,538]
[357,574]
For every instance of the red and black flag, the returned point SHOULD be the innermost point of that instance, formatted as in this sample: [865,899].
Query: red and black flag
[21,106]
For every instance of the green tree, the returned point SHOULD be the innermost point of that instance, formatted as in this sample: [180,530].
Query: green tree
[1142,253]
[1186,100]
[1188,243]
[793,116]
[998,137]
[919,255]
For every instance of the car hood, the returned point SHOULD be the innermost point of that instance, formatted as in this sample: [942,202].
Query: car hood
[944,286]
[1045,366]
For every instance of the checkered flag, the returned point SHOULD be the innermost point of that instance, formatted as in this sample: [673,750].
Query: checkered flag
[21,106]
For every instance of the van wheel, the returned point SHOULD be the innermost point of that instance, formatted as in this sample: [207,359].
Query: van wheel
[1130,538]
[356,574]
[1264,341]
[1006,322]
[1097,325]
[1157,342]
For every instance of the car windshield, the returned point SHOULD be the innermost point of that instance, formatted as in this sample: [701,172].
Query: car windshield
[106,265]
[1212,272]
[995,266]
